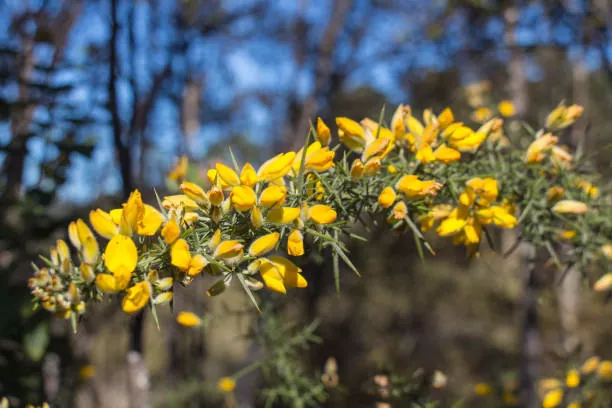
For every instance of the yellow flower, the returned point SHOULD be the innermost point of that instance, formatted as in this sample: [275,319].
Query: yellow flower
[400,211]
[572,380]
[503,218]
[562,116]
[446,154]
[257,220]
[604,370]
[195,192]
[555,193]
[178,201]
[386,197]
[318,158]
[482,389]
[372,167]
[590,365]
[276,167]
[322,214]
[264,244]
[136,297]
[357,169]
[273,196]
[183,260]
[283,215]
[291,274]
[506,108]
[295,243]
[170,232]
[470,142]
[391,169]
[351,134]
[537,147]
[604,283]
[454,223]
[227,175]
[121,257]
[243,198]
[445,118]
[228,249]
[412,187]
[86,242]
[323,134]
[226,384]
[103,224]
[216,196]
[553,399]
[180,169]
[188,319]
[570,207]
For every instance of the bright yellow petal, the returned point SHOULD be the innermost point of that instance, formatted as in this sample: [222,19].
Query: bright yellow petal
[150,221]
[106,283]
[180,255]
[73,235]
[290,272]
[188,319]
[136,297]
[227,174]
[177,201]
[133,210]
[228,249]
[273,196]
[170,232]
[283,215]
[248,175]
[295,243]
[276,167]
[243,198]
[323,134]
[198,262]
[90,251]
[272,277]
[322,214]
[121,257]
[102,222]
[264,244]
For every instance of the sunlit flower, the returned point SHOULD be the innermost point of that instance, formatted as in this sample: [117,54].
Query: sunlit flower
[226,384]
[276,167]
[188,319]
[264,244]
[552,399]
[506,108]
[295,243]
[243,198]
[136,297]
[323,134]
[351,134]
[387,197]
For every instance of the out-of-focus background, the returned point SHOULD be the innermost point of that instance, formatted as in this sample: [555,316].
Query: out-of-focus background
[98,97]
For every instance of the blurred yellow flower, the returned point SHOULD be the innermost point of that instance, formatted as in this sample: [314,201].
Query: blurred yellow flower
[570,207]
[553,399]
[188,319]
[226,384]
[506,108]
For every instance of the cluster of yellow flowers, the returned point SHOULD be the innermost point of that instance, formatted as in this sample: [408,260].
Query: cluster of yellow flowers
[247,222]
[579,388]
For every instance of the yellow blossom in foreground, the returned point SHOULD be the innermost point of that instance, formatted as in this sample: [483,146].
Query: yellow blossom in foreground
[357,169]
[137,297]
[446,154]
[178,201]
[264,244]
[295,243]
[351,134]
[276,167]
[188,319]
[387,197]
[318,158]
[227,175]
[226,384]
[552,399]
[283,215]
[570,207]
[183,260]
[243,198]
[121,257]
[322,214]
[412,187]
[228,249]
[195,192]
[273,196]
[248,175]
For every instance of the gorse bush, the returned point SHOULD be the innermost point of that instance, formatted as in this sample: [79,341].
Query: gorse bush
[250,225]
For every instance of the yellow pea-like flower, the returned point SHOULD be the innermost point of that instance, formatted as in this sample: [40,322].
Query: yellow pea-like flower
[471,142]
[133,208]
[322,214]
[226,384]
[188,319]
[400,210]
[121,257]
[103,224]
[90,250]
[106,283]
[87,273]
[216,196]
[149,222]
[228,249]
[372,167]
[137,297]
[195,192]
[177,201]
[553,399]
[425,154]
[264,244]
[283,215]
[387,197]
[291,273]
[323,134]
[604,370]
[451,226]
[73,235]
[446,118]
[276,167]
[570,207]
[537,147]
[572,380]
[196,264]
[227,175]
[243,198]
[273,196]
[503,218]
[590,365]
[257,220]
[506,108]
[351,134]
[357,169]
[171,231]
[295,243]
[248,175]
[320,160]
[446,154]
[180,255]
[481,115]
[270,275]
